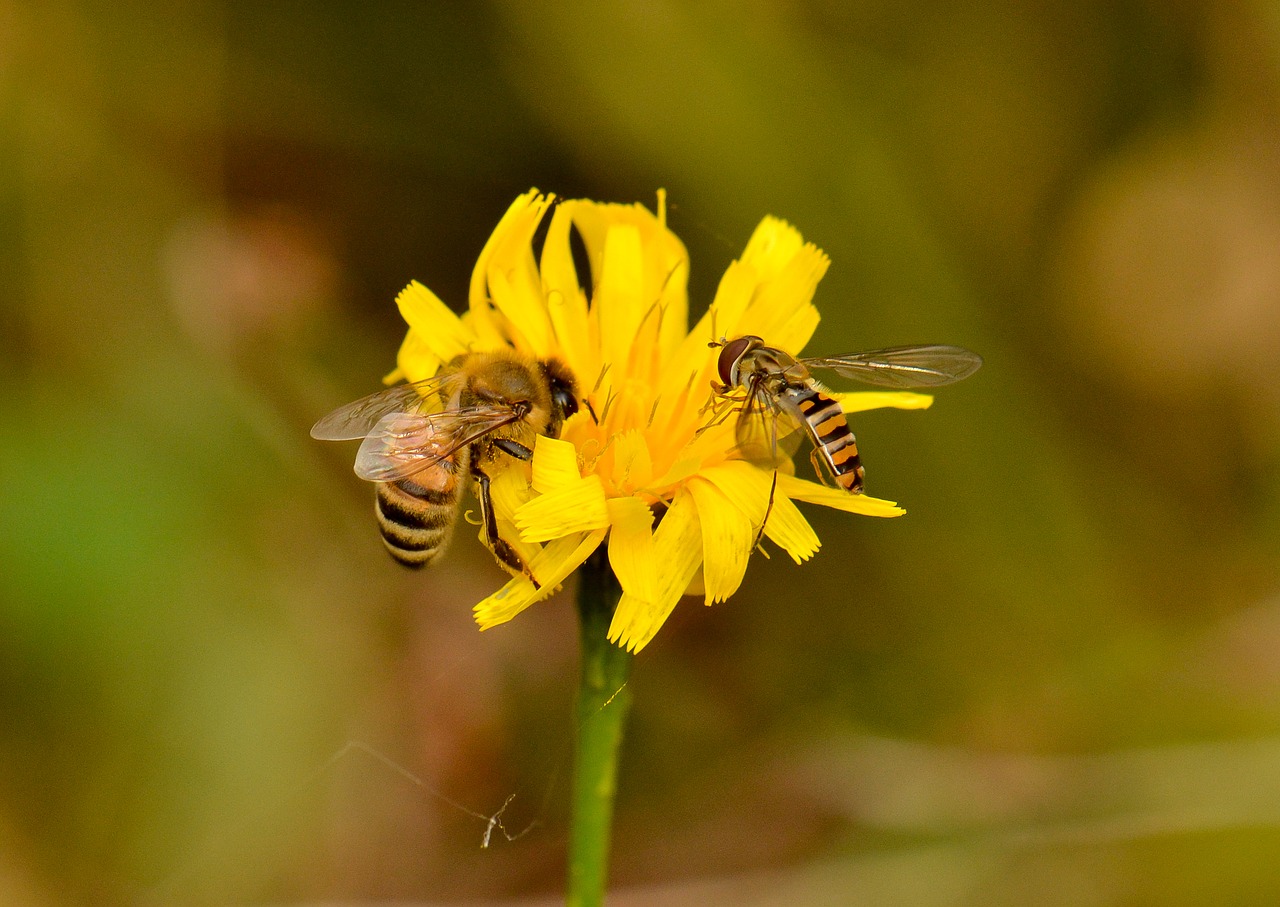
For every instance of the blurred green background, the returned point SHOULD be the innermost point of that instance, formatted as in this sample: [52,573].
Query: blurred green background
[1056,681]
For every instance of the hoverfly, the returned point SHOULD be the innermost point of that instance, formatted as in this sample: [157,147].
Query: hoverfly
[779,388]
[423,440]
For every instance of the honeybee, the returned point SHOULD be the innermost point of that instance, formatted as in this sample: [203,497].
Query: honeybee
[782,395]
[423,440]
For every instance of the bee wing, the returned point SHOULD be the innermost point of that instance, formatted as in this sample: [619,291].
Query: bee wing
[402,444]
[360,418]
[903,366]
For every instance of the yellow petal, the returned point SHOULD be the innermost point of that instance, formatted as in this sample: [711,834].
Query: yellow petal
[860,401]
[631,547]
[563,556]
[566,302]
[415,361]
[531,205]
[552,566]
[772,246]
[837,498]
[506,603]
[793,333]
[696,585]
[577,507]
[664,264]
[789,530]
[745,484]
[733,295]
[781,310]
[515,287]
[677,548]
[618,300]
[509,490]
[629,465]
[555,464]
[767,292]
[727,539]
[435,325]
[729,533]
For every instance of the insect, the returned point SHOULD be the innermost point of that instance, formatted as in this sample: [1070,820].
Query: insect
[423,440]
[779,388]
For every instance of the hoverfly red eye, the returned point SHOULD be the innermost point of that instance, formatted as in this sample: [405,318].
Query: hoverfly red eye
[729,356]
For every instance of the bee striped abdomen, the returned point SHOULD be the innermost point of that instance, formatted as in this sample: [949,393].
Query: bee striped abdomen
[417,521]
[825,422]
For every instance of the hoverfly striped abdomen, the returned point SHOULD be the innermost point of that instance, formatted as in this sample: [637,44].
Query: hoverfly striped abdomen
[832,439]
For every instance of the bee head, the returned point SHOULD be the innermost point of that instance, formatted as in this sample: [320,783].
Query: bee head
[564,389]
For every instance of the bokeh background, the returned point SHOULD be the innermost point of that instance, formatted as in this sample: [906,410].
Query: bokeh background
[1056,681]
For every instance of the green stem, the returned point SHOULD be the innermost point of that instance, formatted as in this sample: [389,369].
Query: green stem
[604,699]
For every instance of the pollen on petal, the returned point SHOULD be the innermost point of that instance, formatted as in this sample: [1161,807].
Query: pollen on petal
[836,498]
[860,401]
[577,507]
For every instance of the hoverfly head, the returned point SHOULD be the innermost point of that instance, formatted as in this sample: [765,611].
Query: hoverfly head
[731,355]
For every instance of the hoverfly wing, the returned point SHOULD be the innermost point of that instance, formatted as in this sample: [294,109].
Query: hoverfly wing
[903,366]
[359,418]
[402,444]
[767,434]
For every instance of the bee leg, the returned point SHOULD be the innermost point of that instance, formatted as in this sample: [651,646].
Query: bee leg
[501,549]
[514,448]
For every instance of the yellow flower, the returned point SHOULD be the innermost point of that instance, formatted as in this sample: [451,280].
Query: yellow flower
[633,469]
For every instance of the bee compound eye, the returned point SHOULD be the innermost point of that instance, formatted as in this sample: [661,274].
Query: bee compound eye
[729,356]
[567,402]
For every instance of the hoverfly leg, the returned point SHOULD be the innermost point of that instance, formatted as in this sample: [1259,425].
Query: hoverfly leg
[721,408]
[821,468]
[501,549]
[773,489]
